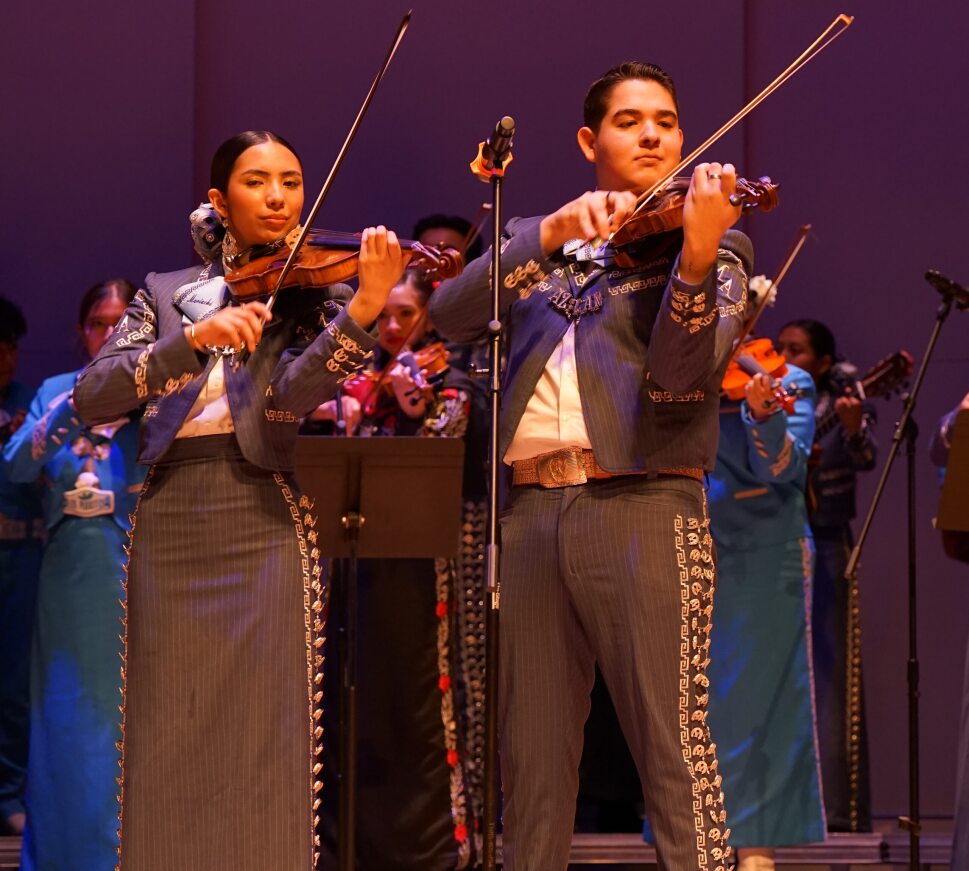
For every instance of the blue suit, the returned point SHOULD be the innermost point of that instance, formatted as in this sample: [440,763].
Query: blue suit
[74,720]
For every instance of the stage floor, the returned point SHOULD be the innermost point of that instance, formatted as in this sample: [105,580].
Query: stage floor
[871,852]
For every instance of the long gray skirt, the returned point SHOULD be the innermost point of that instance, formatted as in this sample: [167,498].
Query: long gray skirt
[223,645]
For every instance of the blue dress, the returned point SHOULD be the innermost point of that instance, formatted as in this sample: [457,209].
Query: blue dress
[761,679]
[74,720]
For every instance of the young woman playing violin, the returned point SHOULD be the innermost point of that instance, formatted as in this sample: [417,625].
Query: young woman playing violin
[761,706]
[225,588]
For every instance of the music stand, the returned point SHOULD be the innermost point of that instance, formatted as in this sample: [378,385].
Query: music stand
[359,486]
[953,518]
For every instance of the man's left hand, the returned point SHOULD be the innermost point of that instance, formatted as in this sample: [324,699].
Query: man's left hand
[707,215]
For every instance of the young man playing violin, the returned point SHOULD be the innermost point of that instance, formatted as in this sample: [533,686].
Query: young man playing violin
[609,421]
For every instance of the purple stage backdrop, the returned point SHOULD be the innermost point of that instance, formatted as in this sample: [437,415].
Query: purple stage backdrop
[112,109]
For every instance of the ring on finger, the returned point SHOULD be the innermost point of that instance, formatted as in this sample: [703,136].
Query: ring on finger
[713,175]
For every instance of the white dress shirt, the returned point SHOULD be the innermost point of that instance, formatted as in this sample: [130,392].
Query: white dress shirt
[209,414]
[553,418]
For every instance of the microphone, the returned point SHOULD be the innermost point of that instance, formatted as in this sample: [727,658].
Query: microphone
[948,288]
[495,154]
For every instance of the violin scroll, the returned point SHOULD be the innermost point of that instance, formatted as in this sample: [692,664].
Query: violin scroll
[760,194]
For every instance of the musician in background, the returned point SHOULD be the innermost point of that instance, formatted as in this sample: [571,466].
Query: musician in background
[420,653]
[456,232]
[449,231]
[21,542]
[91,481]
[844,445]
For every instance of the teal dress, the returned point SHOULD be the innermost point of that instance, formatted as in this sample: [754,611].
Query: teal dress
[761,679]
[74,684]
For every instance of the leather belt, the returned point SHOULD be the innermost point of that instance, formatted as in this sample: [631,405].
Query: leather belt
[569,466]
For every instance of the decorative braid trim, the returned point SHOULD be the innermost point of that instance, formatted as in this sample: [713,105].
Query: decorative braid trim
[807,570]
[444,571]
[123,688]
[694,557]
[314,621]
[853,708]
[470,650]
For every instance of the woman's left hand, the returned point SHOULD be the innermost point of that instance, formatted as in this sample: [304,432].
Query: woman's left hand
[407,391]
[850,413]
[760,396]
[382,263]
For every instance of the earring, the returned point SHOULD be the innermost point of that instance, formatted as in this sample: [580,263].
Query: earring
[230,247]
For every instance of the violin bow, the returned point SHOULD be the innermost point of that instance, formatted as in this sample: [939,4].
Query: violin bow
[294,252]
[795,249]
[835,29]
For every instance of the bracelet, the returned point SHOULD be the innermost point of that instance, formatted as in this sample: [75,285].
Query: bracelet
[195,342]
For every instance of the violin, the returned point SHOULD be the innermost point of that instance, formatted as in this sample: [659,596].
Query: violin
[757,357]
[425,365]
[325,257]
[664,211]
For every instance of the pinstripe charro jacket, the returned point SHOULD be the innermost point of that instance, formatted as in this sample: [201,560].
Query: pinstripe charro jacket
[649,361]
[309,347]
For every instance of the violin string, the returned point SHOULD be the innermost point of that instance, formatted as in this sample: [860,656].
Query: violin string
[290,261]
[811,52]
[475,229]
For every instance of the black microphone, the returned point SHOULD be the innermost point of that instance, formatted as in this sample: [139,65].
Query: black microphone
[948,288]
[494,153]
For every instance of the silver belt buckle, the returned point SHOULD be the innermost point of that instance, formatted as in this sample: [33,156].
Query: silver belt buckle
[88,502]
[562,468]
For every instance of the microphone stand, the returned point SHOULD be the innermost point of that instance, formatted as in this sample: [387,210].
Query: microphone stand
[906,430]
[493,171]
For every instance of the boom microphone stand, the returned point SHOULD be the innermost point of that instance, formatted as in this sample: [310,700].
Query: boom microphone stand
[906,430]
[490,164]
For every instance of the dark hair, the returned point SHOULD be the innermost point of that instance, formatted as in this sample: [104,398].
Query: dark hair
[228,153]
[819,335]
[597,97]
[13,326]
[450,222]
[119,287]
[417,278]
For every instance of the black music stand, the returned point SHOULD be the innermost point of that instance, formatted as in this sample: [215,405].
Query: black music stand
[953,518]
[359,486]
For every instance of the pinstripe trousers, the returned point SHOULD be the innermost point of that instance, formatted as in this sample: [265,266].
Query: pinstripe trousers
[619,572]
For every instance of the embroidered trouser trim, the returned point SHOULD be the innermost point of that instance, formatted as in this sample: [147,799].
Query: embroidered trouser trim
[618,572]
